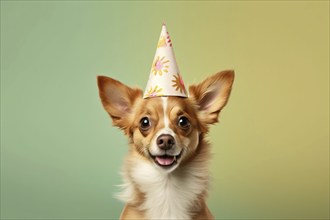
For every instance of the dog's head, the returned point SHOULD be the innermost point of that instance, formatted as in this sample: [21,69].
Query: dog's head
[166,130]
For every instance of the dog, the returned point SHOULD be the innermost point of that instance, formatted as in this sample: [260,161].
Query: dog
[166,173]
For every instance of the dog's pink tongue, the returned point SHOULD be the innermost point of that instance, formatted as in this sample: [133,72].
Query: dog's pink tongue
[165,160]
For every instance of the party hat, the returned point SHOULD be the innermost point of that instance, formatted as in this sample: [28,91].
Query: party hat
[165,78]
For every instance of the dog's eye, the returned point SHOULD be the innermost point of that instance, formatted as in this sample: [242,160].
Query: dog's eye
[145,123]
[183,122]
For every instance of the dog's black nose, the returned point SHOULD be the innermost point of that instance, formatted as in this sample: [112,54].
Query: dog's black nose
[165,141]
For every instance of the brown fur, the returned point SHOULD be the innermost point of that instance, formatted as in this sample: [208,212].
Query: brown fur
[126,107]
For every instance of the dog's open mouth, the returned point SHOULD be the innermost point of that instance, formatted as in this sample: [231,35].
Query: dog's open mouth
[166,160]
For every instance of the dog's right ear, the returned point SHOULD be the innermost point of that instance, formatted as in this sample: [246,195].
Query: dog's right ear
[212,94]
[118,100]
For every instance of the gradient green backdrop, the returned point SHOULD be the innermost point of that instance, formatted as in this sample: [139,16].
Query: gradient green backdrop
[60,157]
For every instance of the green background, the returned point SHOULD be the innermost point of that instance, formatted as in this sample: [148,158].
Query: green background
[60,157]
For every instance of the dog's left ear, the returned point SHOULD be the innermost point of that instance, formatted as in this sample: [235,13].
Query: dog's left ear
[212,95]
[118,100]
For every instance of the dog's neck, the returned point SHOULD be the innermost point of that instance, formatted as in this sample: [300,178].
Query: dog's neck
[161,195]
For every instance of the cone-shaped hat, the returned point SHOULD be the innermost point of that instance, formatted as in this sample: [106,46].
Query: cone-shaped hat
[165,78]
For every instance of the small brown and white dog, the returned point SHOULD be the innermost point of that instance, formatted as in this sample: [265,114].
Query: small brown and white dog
[166,170]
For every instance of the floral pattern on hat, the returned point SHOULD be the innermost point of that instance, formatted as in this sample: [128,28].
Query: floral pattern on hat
[161,42]
[178,83]
[153,92]
[160,66]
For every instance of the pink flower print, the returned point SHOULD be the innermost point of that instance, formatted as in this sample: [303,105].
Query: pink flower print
[178,84]
[153,92]
[160,66]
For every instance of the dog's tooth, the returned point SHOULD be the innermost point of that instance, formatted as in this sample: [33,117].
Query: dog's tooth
[174,158]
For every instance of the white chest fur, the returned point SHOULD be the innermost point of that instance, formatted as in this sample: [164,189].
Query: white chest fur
[166,195]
